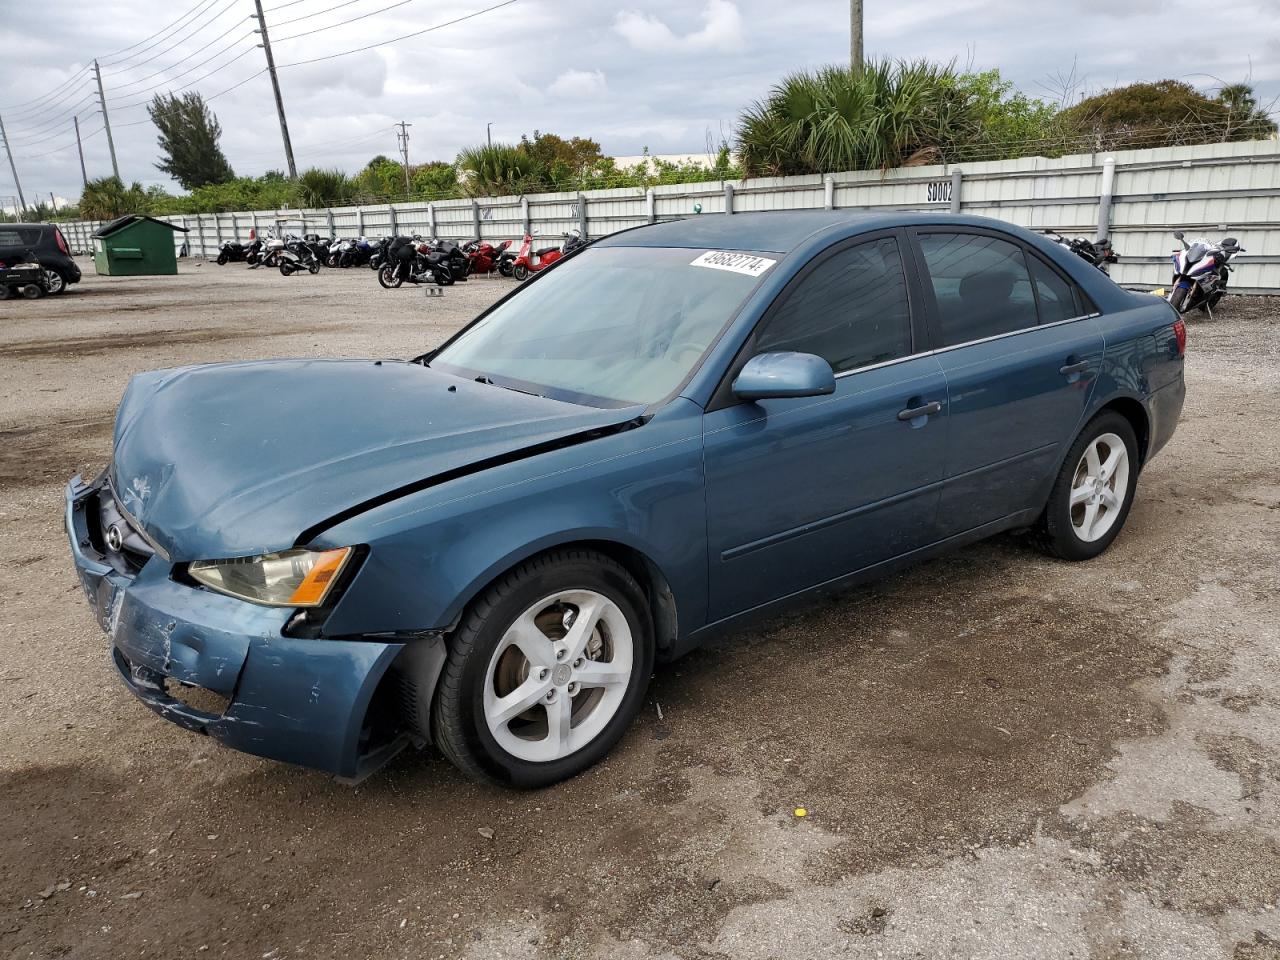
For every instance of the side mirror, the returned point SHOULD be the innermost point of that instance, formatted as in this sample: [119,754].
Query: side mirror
[781,375]
[1179,234]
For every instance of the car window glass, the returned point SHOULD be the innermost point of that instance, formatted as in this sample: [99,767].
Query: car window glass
[981,285]
[10,238]
[851,309]
[1057,299]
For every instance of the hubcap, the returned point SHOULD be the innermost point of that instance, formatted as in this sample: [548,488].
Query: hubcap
[1099,487]
[558,675]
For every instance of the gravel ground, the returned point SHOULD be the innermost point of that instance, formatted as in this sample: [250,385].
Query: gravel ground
[1001,756]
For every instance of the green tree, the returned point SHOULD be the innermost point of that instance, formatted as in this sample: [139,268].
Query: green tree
[1168,113]
[325,188]
[108,198]
[885,115]
[437,179]
[189,134]
[561,160]
[500,168]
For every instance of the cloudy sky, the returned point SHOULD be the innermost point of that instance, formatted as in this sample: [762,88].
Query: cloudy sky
[662,74]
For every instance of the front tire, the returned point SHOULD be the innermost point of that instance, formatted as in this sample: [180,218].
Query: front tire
[388,277]
[520,272]
[1178,299]
[1093,492]
[545,672]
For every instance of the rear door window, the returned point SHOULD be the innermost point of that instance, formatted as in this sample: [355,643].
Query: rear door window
[981,285]
[1057,298]
[10,238]
[851,309]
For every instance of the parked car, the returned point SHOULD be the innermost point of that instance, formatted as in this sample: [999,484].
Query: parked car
[49,246]
[673,431]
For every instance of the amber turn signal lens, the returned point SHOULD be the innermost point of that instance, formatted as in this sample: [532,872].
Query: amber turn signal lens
[317,582]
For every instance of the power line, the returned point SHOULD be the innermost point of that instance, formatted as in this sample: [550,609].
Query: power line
[200,8]
[178,41]
[235,86]
[60,117]
[318,13]
[407,36]
[56,102]
[157,33]
[169,83]
[51,94]
[199,50]
[281,6]
[340,23]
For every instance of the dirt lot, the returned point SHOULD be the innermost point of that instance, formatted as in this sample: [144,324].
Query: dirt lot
[1001,756]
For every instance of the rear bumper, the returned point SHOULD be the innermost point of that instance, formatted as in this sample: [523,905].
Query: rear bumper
[301,701]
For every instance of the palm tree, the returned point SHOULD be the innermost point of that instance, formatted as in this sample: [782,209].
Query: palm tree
[1244,116]
[884,115]
[325,188]
[500,168]
[108,198]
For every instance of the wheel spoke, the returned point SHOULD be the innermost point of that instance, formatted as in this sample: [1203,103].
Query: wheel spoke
[1091,458]
[1090,518]
[559,723]
[532,642]
[1109,465]
[1080,494]
[505,709]
[584,624]
[592,673]
[1110,499]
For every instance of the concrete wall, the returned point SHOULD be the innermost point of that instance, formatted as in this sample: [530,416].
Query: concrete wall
[1212,189]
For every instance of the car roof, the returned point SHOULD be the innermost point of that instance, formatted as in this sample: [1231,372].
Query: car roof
[780,231]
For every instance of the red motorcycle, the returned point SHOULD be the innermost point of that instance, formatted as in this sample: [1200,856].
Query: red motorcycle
[483,256]
[532,261]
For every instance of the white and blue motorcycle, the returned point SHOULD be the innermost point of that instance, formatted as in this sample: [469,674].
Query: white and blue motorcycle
[1200,272]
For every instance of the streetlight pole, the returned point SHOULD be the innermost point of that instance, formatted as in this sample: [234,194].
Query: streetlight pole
[488,132]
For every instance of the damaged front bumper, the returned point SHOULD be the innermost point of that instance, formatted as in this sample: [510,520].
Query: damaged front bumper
[305,701]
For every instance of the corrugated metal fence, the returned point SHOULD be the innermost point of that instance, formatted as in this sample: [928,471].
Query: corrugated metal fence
[1136,197]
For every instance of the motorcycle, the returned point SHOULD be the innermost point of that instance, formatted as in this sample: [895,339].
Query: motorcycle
[413,260]
[529,261]
[354,253]
[1200,272]
[232,252]
[298,254]
[1099,253]
[267,252]
[483,256]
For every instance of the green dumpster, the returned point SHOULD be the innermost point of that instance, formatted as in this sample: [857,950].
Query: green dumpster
[135,246]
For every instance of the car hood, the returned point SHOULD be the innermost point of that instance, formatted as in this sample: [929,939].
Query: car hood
[237,459]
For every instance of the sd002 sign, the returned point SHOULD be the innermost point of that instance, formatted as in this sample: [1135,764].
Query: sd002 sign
[940,191]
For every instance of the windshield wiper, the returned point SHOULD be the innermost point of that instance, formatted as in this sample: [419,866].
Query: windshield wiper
[486,380]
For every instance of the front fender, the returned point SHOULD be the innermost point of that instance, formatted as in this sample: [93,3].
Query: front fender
[432,551]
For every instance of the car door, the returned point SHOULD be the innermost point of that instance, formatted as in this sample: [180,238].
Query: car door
[1021,353]
[802,491]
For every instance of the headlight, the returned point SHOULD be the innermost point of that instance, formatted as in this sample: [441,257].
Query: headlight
[290,578]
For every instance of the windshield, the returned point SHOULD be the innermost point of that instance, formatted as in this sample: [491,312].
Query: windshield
[613,326]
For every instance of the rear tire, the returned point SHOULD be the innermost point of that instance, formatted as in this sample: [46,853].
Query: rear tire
[54,282]
[1093,492]
[579,704]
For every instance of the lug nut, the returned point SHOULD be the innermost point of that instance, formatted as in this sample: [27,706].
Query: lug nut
[573,689]
[542,674]
[577,664]
[561,653]
[551,696]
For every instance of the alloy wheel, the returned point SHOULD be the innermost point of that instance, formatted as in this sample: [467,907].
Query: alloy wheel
[1099,487]
[558,675]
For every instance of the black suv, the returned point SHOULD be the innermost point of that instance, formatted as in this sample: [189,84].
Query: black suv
[50,247]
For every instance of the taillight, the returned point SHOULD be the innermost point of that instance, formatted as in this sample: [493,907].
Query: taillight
[1180,334]
[62,243]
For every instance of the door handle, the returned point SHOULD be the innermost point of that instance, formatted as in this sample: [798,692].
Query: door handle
[1071,368]
[912,412]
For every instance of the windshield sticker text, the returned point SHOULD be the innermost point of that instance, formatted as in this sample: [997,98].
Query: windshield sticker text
[747,263]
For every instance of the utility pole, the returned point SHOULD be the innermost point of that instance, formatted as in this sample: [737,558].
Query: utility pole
[54,201]
[12,166]
[106,121]
[488,132]
[275,85]
[84,177]
[855,34]
[403,136]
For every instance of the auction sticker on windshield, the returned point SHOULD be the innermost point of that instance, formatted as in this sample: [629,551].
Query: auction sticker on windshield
[747,263]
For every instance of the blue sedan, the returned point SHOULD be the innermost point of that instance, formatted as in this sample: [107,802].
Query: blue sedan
[673,431]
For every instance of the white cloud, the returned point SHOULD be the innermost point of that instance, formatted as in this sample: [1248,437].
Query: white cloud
[578,83]
[721,30]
